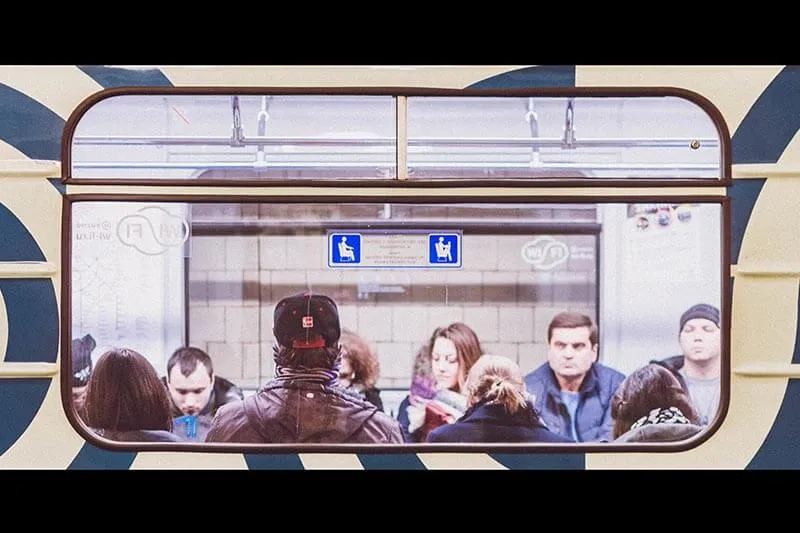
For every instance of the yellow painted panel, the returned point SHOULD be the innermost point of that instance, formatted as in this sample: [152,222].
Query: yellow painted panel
[459,461]
[49,442]
[188,461]
[733,89]
[9,152]
[771,233]
[768,308]
[330,461]
[456,77]
[37,204]
[60,87]
[3,328]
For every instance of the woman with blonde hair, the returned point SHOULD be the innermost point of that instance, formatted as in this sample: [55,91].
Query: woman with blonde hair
[498,408]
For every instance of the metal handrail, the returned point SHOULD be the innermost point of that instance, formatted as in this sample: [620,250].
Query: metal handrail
[621,142]
[338,165]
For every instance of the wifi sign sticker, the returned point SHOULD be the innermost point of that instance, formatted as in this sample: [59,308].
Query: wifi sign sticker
[545,253]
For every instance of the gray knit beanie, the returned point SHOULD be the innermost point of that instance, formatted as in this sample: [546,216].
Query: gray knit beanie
[709,312]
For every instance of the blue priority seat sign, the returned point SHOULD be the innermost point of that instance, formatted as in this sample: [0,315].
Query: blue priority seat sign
[344,248]
[443,248]
[394,249]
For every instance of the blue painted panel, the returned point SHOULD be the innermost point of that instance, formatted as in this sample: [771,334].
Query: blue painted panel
[378,461]
[32,320]
[16,242]
[530,77]
[743,195]
[29,126]
[90,457]
[780,450]
[109,77]
[60,187]
[541,461]
[771,122]
[20,400]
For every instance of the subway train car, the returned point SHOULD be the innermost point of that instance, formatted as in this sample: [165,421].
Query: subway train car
[156,207]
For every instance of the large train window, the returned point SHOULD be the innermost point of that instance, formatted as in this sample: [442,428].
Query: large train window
[153,268]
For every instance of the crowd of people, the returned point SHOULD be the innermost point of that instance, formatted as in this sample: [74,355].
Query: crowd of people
[324,388]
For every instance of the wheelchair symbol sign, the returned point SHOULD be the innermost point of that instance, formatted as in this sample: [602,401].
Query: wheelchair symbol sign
[345,248]
[443,249]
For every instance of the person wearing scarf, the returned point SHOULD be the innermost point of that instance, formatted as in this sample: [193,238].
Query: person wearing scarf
[651,406]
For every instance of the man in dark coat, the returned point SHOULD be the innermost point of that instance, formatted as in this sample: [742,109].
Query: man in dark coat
[572,391]
[304,403]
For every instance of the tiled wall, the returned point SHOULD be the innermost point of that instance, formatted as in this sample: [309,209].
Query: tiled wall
[235,281]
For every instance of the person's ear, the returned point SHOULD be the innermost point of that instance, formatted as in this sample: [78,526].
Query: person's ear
[594,353]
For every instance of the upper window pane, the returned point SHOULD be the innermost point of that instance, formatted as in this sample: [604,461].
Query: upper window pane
[236,137]
[280,137]
[546,137]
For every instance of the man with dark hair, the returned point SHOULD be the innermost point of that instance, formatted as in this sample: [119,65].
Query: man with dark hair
[304,402]
[195,392]
[81,370]
[698,367]
[572,391]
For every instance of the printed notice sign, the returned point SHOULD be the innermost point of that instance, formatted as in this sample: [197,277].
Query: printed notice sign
[394,249]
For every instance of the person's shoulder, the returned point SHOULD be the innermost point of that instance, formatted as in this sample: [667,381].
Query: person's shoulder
[226,390]
[608,372]
[441,433]
[229,409]
[544,434]
[672,362]
[538,373]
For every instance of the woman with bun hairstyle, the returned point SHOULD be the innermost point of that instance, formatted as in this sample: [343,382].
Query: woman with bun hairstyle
[498,408]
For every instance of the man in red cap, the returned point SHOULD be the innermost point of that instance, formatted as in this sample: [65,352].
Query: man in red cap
[304,403]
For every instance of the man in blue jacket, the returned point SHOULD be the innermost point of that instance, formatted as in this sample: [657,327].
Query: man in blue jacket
[572,391]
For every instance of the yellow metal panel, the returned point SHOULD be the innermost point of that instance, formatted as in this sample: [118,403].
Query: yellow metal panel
[9,152]
[732,89]
[768,308]
[188,461]
[445,76]
[60,87]
[29,168]
[49,442]
[330,461]
[3,328]
[459,461]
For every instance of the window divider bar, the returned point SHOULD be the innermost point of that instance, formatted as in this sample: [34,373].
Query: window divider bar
[402,138]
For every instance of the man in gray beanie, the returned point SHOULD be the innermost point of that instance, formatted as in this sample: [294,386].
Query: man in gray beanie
[698,368]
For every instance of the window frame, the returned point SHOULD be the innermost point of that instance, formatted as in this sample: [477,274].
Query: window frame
[706,105]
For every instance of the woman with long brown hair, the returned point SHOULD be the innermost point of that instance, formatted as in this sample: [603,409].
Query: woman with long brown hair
[126,400]
[437,392]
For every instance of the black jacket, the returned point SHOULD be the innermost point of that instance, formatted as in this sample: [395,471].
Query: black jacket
[491,423]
